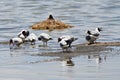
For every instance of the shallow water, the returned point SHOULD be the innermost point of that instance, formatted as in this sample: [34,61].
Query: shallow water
[29,62]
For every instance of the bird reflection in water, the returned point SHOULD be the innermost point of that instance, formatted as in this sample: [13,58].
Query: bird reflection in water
[97,58]
[67,62]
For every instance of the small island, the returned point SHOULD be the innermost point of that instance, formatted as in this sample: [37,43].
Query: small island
[50,24]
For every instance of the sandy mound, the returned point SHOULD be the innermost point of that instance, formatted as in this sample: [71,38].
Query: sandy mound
[50,24]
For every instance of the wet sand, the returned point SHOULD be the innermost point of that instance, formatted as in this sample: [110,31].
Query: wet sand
[79,49]
[82,49]
[86,44]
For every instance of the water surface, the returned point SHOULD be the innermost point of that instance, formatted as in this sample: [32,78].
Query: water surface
[25,63]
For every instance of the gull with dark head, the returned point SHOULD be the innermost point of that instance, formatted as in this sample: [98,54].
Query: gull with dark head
[23,34]
[15,42]
[65,41]
[44,37]
[93,35]
[64,44]
[67,38]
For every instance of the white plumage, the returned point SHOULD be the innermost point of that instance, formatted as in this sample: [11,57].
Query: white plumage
[67,39]
[15,42]
[93,35]
[91,39]
[64,44]
[31,38]
[23,34]
[44,37]
[64,37]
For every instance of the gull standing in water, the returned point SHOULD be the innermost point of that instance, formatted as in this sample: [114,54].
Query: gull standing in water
[23,34]
[15,42]
[31,38]
[66,41]
[44,37]
[67,38]
[93,35]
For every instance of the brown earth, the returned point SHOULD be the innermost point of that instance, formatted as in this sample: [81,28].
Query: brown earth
[50,24]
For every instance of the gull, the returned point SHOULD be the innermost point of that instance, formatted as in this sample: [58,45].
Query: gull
[91,39]
[44,37]
[31,38]
[93,35]
[64,44]
[15,42]
[67,38]
[23,34]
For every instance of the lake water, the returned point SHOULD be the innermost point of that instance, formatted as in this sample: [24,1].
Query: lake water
[30,63]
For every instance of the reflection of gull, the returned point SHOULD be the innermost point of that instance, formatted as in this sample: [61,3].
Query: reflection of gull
[67,62]
[97,58]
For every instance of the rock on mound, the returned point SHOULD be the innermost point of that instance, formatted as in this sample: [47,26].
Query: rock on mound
[50,24]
